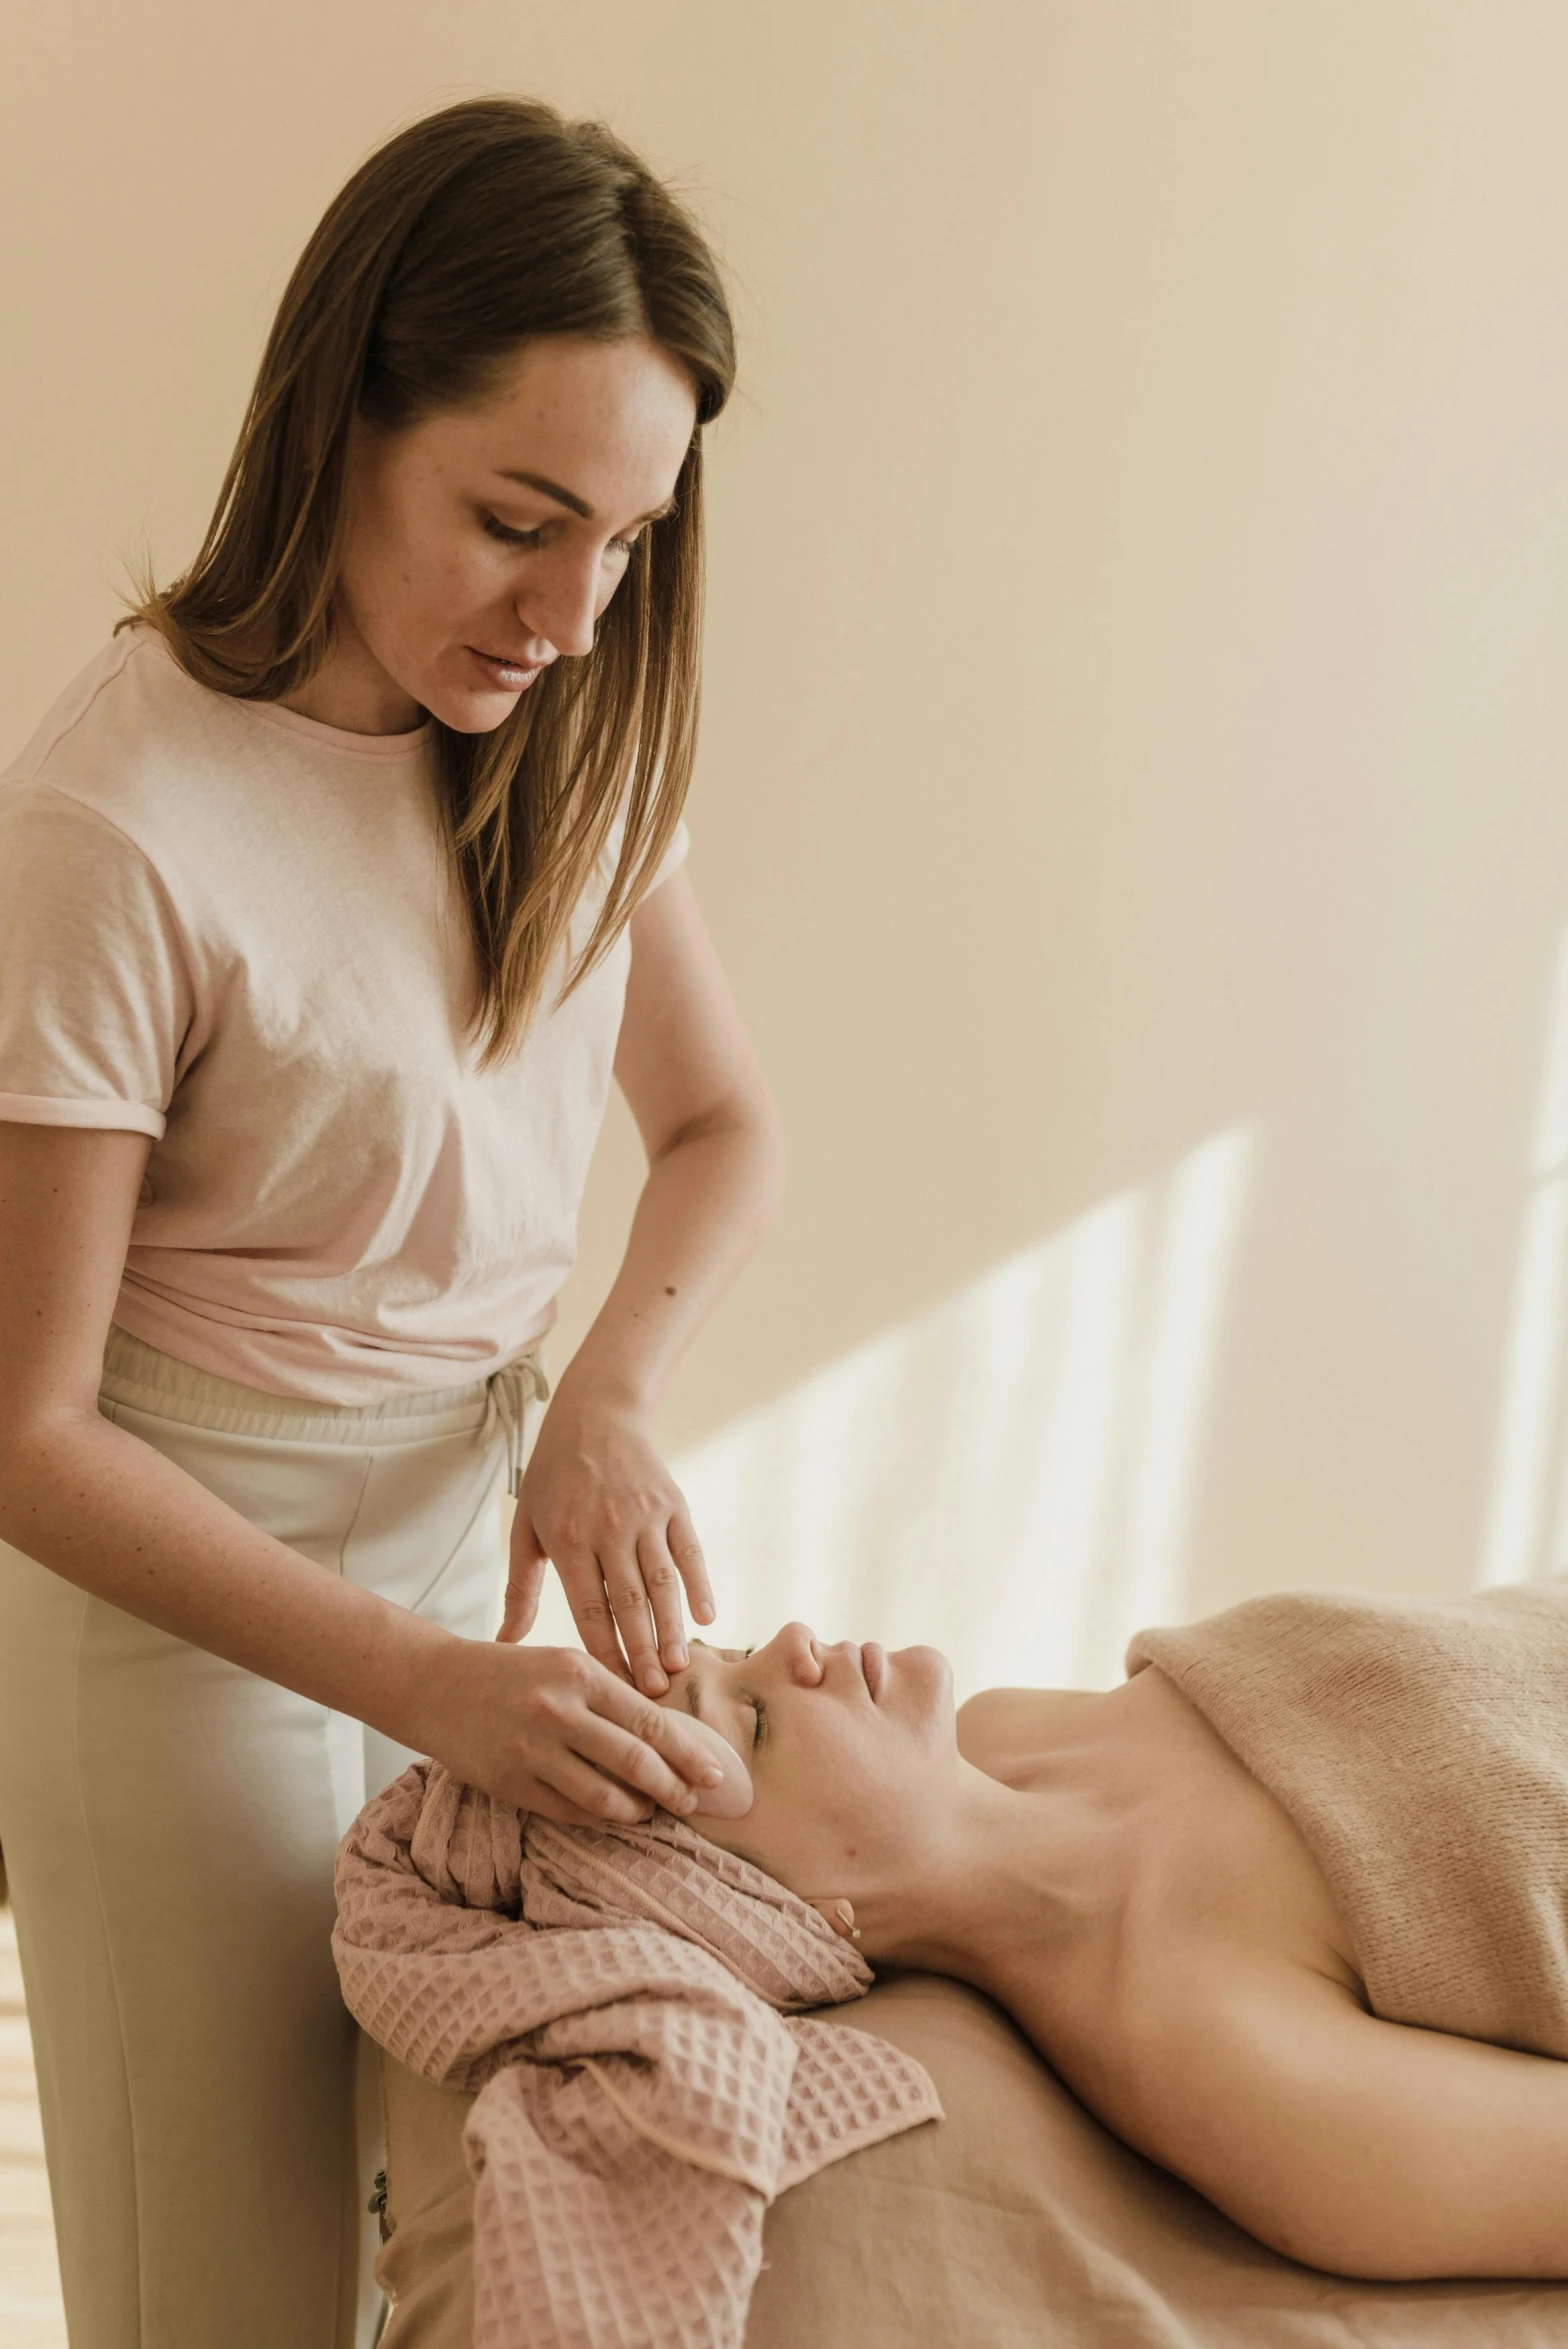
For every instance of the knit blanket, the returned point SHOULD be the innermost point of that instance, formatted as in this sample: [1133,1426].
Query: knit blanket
[621,1998]
[1421,1748]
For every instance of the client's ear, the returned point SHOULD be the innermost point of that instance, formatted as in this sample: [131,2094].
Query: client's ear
[839,1914]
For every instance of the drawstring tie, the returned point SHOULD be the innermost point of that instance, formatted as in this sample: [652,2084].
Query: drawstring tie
[507,1395]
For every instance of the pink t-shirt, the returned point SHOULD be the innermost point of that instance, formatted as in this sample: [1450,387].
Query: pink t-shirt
[236,930]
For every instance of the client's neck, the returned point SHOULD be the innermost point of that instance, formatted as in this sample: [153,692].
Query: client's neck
[1008,1875]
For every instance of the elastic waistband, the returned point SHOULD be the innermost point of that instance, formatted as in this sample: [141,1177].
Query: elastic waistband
[147,1379]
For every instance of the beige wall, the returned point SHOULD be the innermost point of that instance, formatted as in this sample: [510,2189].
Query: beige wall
[1131,803]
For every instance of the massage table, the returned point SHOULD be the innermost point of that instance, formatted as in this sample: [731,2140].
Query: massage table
[1016,2223]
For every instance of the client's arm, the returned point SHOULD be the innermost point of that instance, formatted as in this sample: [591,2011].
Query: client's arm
[1365,2147]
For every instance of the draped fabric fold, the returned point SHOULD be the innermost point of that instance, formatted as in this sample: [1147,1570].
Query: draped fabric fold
[1421,1748]
[625,2000]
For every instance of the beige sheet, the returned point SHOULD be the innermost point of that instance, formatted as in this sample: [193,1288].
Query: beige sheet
[1018,2223]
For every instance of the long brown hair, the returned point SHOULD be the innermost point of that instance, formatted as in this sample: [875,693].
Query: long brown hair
[472,232]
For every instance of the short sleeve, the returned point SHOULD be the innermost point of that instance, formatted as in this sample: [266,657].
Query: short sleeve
[674,855]
[95,991]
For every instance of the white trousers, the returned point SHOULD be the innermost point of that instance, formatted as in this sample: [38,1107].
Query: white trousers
[169,1825]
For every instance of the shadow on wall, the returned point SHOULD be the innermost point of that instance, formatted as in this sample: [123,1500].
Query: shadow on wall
[1526,1529]
[1009,1476]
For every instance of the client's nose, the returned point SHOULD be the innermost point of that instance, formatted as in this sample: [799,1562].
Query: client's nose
[801,1650]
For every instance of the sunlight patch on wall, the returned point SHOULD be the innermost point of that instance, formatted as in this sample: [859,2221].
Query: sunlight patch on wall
[1011,1475]
[1519,1542]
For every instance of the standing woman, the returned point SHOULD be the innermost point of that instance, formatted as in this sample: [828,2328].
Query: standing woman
[331,894]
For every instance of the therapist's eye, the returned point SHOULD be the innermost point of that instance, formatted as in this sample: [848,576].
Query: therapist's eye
[508,536]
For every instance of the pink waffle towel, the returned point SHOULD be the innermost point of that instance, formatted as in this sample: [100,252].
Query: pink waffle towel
[618,1997]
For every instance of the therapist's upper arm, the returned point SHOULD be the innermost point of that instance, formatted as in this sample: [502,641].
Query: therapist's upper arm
[67,1202]
[684,1060]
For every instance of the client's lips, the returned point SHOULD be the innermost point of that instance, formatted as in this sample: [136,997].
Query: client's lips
[873,1665]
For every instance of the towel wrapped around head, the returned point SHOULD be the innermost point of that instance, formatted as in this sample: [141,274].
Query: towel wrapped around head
[621,1999]
[1421,1748]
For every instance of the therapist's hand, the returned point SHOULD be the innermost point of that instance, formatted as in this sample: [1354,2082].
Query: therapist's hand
[549,1730]
[598,1502]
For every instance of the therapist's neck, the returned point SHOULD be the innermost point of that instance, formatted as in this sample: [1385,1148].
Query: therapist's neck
[352,691]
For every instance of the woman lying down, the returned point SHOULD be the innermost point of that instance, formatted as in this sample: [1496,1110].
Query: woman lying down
[1288,1910]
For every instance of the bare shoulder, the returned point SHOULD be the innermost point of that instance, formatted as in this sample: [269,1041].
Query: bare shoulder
[1361,2146]
[1004,1731]
[1001,1730]
[992,1714]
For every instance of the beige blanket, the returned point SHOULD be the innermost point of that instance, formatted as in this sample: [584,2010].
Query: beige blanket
[1421,1748]
[618,1997]
[1019,2224]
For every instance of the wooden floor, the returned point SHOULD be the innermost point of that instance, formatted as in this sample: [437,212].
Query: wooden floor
[30,2313]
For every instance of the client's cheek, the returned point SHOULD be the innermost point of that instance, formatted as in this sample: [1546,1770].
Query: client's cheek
[817,1860]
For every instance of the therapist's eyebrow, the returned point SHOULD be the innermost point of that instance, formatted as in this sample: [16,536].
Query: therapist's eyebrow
[568,497]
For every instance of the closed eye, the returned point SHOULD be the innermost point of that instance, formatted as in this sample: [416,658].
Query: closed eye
[758,1710]
[531,538]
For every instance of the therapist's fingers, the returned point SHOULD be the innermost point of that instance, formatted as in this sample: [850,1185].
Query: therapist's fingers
[523,1586]
[633,1769]
[527,1560]
[686,1551]
[652,1747]
[629,1605]
[663,1586]
[596,1795]
[583,1583]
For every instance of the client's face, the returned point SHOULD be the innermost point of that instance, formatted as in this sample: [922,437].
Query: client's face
[851,1751]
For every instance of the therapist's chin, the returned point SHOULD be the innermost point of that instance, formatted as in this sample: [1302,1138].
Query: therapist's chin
[454,692]
[473,713]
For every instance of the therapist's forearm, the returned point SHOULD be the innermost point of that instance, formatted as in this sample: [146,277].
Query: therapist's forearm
[705,1206]
[111,1514]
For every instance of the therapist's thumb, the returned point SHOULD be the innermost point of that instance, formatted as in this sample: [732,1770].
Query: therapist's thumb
[522,1600]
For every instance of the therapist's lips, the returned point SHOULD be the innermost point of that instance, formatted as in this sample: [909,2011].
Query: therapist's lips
[510,675]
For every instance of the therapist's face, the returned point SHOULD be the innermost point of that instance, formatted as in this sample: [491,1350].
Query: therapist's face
[461,580]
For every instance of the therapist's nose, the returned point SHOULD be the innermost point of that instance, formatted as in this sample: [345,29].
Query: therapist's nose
[564,597]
